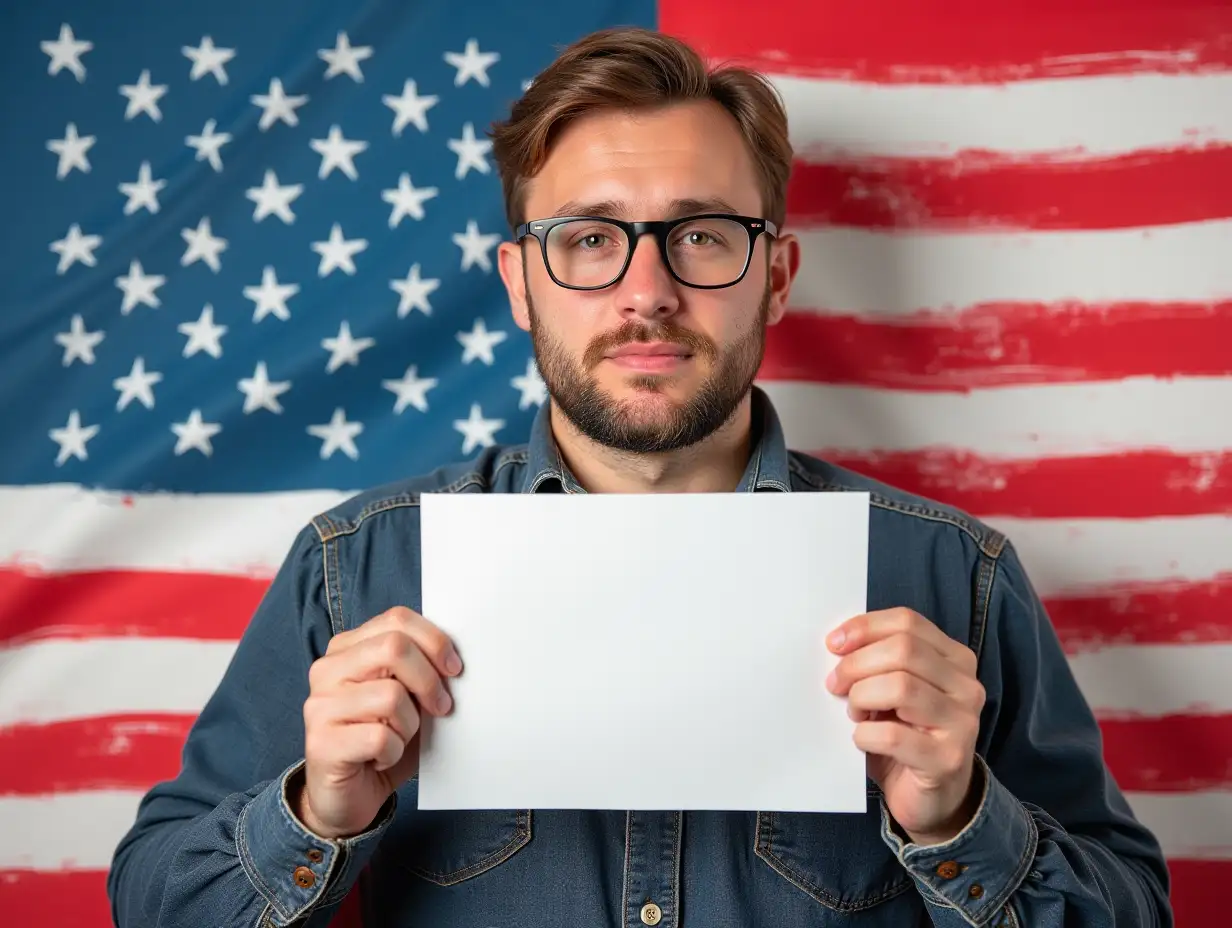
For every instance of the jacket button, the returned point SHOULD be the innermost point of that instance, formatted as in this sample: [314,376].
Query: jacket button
[975,891]
[651,914]
[315,856]
[304,877]
[947,870]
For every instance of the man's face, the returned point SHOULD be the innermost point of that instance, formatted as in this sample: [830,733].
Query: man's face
[648,364]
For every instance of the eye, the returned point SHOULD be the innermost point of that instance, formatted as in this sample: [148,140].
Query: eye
[592,240]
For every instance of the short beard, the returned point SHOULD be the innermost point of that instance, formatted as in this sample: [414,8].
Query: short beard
[614,423]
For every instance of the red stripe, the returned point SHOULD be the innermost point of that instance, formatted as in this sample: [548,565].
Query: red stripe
[108,752]
[958,41]
[976,189]
[125,602]
[1179,612]
[78,899]
[1126,485]
[1171,753]
[1002,344]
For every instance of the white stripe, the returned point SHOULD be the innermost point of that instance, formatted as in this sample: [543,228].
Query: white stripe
[69,831]
[1188,825]
[1036,420]
[47,833]
[1068,556]
[60,679]
[1062,555]
[848,270]
[1157,679]
[65,527]
[1082,115]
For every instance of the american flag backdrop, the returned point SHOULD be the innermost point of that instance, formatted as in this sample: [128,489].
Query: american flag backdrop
[247,255]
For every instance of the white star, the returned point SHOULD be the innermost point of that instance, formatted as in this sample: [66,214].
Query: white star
[343,59]
[472,63]
[407,200]
[75,247]
[78,343]
[475,247]
[143,98]
[139,287]
[195,434]
[66,52]
[137,386]
[337,434]
[531,384]
[72,151]
[470,152]
[338,252]
[477,431]
[277,105]
[203,245]
[410,108]
[479,342]
[271,297]
[526,84]
[411,390]
[208,144]
[262,393]
[337,152]
[72,439]
[144,192]
[207,59]
[203,335]
[414,292]
[344,349]
[270,197]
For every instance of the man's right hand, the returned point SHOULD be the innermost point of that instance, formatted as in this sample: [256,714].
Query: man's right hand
[365,697]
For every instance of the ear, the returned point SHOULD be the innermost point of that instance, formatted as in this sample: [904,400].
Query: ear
[784,264]
[509,259]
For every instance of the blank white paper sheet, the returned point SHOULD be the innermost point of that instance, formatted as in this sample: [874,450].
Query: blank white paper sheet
[656,651]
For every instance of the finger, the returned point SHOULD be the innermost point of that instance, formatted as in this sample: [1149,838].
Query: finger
[356,743]
[431,639]
[389,655]
[861,630]
[897,741]
[913,700]
[899,652]
[385,701]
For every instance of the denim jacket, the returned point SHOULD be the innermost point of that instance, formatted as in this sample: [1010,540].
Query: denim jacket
[1053,842]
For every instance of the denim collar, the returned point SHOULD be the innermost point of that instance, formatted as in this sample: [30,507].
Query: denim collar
[767,468]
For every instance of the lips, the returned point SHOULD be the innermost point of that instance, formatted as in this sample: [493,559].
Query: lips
[650,350]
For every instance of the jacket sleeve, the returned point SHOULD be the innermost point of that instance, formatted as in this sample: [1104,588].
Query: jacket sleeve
[1054,841]
[218,844]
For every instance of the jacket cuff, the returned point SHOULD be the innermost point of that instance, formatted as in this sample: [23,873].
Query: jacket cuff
[293,868]
[977,871]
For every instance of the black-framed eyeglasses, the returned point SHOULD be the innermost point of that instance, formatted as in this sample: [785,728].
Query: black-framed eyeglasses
[708,251]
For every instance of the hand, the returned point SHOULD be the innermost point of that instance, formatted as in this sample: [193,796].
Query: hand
[365,697]
[915,697]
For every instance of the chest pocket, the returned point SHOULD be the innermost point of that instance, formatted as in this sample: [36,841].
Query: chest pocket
[838,859]
[449,846]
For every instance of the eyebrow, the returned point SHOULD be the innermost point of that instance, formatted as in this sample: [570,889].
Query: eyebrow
[618,209]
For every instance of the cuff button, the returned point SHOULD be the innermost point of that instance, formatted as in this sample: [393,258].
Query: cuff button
[304,877]
[975,891]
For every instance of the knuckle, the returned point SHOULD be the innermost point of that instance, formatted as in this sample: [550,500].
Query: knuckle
[389,696]
[903,686]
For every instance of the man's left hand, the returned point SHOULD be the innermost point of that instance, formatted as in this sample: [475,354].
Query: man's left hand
[914,694]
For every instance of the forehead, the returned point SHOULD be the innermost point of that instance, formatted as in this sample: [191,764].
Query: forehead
[645,159]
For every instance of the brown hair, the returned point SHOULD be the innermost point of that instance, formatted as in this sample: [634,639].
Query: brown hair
[630,68]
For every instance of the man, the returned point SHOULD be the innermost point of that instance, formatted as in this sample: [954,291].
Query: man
[648,259]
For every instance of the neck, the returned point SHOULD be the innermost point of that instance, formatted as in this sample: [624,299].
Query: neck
[713,465]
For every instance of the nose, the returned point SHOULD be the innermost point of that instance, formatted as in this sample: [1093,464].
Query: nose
[647,289]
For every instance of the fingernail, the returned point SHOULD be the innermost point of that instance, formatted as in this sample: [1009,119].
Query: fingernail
[831,680]
[837,637]
[453,663]
[444,701]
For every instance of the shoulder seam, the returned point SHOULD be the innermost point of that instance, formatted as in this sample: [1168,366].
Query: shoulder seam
[991,543]
[328,529]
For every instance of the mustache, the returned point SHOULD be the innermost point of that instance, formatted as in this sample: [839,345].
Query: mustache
[632,332]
